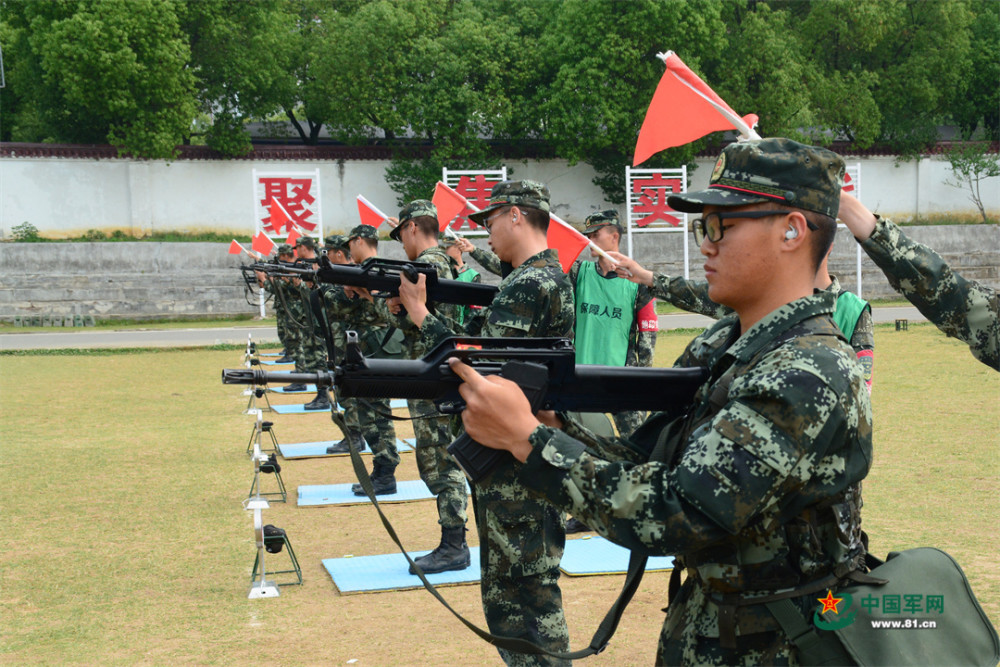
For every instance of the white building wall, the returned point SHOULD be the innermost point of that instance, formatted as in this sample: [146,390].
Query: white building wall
[66,197]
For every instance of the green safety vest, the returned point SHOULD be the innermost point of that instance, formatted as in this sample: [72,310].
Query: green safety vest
[605,311]
[848,311]
[466,275]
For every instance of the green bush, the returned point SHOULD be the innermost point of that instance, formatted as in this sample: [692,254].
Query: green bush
[25,232]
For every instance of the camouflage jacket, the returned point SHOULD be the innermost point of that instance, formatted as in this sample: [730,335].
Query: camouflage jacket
[535,299]
[765,493]
[641,344]
[961,308]
[416,345]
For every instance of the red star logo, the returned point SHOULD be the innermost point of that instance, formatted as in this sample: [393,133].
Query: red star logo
[829,602]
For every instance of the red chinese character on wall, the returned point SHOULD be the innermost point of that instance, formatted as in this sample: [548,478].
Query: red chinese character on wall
[294,196]
[476,189]
[652,205]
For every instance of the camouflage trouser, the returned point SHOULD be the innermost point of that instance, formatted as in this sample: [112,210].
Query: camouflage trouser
[291,340]
[351,416]
[521,543]
[310,355]
[438,469]
[377,429]
[628,422]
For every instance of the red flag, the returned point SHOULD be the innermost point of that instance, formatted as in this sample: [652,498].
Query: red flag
[449,204]
[235,248]
[683,109]
[262,244]
[293,236]
[279,217]
[569,242]
[370,215]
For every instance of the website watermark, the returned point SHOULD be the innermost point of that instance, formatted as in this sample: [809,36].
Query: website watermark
[839,611]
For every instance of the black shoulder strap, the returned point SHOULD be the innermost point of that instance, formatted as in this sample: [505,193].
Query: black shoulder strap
[636,568]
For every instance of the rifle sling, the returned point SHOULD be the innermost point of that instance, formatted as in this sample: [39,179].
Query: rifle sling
[636,568]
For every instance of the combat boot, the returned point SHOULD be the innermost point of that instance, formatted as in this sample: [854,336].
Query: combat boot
[298,386]
[343,447]
[321,402]
[451,554]
[383,481]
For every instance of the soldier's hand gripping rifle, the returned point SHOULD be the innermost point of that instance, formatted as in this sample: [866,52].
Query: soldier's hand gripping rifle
[544,368]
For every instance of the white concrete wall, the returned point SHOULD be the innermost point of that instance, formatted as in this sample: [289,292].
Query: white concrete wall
[66,197]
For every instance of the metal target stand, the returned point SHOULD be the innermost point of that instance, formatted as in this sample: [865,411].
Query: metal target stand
[264,464]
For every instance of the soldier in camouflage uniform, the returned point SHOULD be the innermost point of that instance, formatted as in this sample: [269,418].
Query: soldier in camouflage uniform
[961,308]
[597,340]
[521,536]
[755,487]
[417,230]
[276,287]
[338,252]
[360,315]
[310,356]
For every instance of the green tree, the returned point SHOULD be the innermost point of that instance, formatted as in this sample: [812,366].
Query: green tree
[603,56]
[242,58]
[108,70]
[976,101]
[971,163]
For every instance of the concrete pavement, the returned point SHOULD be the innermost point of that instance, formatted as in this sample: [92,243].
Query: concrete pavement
[125,338]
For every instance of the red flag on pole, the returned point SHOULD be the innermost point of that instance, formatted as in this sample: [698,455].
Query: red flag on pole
[370,215]
[567,240]
[449,204]
[235,248]
[684,109]
[279,217]
[262,244]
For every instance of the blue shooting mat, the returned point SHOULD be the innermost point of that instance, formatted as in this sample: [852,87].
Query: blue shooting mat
[390,572]
[276,363]
[305,450]
[300,408]
[269,354]
[310,389]
[596,555]
[341,494]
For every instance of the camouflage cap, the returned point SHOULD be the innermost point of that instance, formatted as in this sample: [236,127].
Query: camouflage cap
[285,249]
[363,232]
[446,240]
[601,219]
[335,242]
[415,209]
[514,193]
[770,170]
[306,242]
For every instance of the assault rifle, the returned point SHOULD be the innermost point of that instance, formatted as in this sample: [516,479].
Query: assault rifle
[544,368]
[276,269]
[383,275]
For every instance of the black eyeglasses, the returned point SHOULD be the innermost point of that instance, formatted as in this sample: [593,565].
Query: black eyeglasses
[711,225]
[488,222]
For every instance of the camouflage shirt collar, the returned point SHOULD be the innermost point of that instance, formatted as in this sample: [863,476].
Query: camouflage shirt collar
[835,285]
[780,320]
[433,250]
[541,260]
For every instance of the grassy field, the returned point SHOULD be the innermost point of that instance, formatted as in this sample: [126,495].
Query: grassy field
[125,541]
